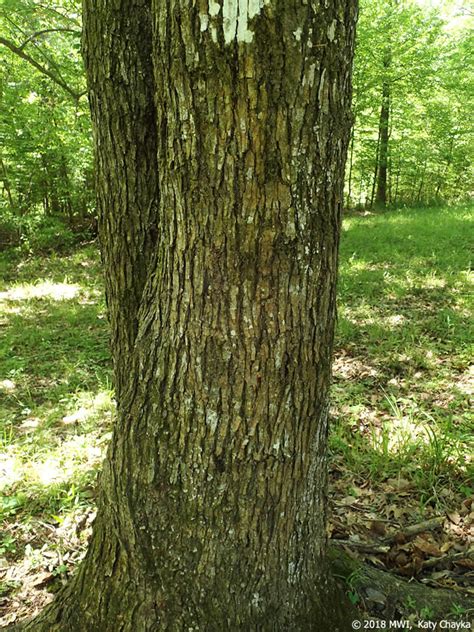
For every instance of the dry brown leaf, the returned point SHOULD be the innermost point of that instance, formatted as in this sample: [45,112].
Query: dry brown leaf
[427,547]
[398,484]
[396,511]
[347,500]
[43,579]
[466,563]
[454,517]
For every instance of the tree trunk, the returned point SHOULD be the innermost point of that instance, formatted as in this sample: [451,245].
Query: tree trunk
[375,176]
[6,185]
[398,173]
[381,195]
[212,507]
[443,176]
[384,131]
[422,182]
[351,166]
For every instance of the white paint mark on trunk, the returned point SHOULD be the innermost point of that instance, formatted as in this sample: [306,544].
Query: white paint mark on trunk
[229,17]
[236,15]
[255,6]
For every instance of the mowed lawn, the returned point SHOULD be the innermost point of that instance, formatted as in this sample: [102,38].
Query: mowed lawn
[400,409]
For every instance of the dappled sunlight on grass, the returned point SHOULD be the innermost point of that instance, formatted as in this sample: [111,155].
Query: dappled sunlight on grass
[78,267]
[10,470]
[37,453]
[50,351]
[7,386]
[42,289]
[56,401]
[56,410]
[63,463]
[35,449]
[402,437]
[403,347]
[430,282]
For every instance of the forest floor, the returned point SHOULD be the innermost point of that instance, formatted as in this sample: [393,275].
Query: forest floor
[400,493]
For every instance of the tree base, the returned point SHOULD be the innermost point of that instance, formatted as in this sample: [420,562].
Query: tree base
[330,611]
[390,597]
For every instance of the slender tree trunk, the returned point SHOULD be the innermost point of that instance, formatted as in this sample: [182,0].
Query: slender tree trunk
[390,173]
[397,178]
[351,165]
[51,194]
[389,182]
[6,185]
[384,121]
[212,508]
[443,175]
[376,171]
[421,185]
[66,189]
[361,182]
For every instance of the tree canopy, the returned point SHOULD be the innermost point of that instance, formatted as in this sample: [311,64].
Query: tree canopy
[422,60]
[45,159]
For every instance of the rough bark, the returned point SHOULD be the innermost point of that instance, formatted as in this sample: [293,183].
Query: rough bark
[212,507]
[117,49]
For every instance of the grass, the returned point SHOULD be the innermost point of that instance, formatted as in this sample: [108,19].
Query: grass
[56,400]
[400,394]
[405,333]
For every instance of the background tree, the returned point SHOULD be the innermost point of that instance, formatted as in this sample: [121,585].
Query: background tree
[46,166]
[221,135]
[409,107]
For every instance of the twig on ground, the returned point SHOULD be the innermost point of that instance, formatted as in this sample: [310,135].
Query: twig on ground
[415,529]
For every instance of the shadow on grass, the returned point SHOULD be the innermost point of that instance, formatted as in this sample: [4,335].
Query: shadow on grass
[394,288]
[81,266]
[55,346]
[402,381]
